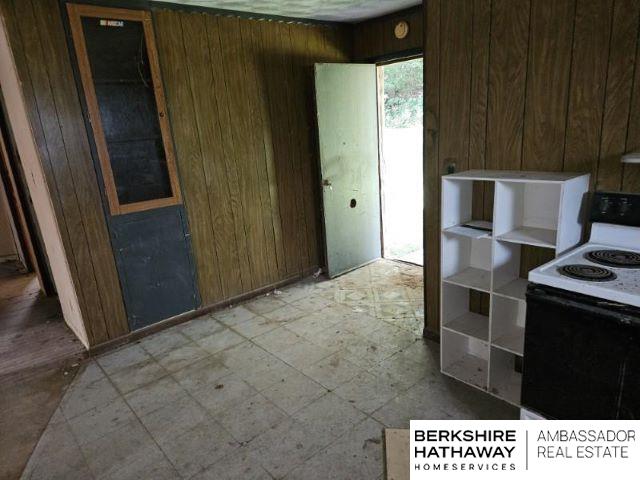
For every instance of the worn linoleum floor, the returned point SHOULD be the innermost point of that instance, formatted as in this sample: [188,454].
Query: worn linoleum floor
[298,384]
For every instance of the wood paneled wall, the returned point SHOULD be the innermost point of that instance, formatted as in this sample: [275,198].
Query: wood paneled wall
[38,43]
[532,85]
[240,97]
[374,39]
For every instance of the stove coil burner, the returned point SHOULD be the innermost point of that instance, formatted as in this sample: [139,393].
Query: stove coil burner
[614,258]
[587,272]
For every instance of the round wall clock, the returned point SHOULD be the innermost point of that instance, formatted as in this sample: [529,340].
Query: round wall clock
[401,30]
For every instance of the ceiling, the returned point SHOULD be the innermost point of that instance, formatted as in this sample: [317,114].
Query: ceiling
[330,10]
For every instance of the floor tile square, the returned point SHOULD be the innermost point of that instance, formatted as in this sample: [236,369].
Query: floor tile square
[123,358]
[234,315]
[283,447]
[256,326]
[303,354]
[294,392]
[366,392]
[277,340]
[329,417]
[81,398]
[196,449]
[250,418]
[358,455]
[332,371]
[57,456]
[120,448]
[220,340]
[137,375]
[264,304]
[238,465]
[204,372]
[100,421]
[309,326]
[285,314]
[201,327]
[180,357]
[174,418]
[223,394]
[154,396]
[164,341]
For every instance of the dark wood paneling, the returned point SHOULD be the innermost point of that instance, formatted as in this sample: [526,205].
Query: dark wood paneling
[239,92]
[456,54]
[507,80]
[547,84]
[561,90]
[374,39]
[631,173]
[588,81]
[36,35]
[482,208]
[622,56]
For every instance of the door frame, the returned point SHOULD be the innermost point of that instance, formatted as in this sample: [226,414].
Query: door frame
[25,227]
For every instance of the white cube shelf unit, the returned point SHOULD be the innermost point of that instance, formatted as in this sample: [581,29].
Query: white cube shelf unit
[542,209]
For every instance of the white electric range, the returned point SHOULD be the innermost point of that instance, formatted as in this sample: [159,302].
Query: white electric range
[607,267]
[582,336]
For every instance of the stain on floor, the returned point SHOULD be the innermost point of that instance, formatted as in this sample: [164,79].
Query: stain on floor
[310,376]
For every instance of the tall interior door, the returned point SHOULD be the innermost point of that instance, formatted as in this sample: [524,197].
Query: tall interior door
[120,76]
[347,108]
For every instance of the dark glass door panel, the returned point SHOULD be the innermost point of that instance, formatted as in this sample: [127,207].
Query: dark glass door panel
[120,75]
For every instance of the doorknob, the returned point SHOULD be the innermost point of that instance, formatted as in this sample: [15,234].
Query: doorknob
[326,183]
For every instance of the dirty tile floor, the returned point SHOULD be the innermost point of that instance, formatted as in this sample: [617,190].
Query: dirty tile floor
[298,384]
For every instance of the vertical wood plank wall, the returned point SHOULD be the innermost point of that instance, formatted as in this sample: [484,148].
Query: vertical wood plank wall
[240,99]
[38,43]
[375,39]
[532,85]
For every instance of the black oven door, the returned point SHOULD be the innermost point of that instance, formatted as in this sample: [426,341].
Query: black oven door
[630,394]
[575,355]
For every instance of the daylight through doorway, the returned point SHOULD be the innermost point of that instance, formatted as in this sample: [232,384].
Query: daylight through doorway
[401,92]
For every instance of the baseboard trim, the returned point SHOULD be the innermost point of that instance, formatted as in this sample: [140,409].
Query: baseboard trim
[190,315]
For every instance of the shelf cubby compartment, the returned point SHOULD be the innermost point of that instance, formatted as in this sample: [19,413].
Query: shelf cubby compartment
[507,324]
[473,229]
[529,213]
[466,261]
[506,271]
[505,376]
[465,358]
[457,316]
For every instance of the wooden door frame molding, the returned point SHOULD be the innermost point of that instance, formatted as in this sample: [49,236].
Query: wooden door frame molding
[76,12]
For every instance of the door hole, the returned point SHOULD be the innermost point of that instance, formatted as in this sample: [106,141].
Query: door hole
[353,203]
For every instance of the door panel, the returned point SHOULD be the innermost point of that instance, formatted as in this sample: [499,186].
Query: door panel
[120,75]
[346,99]
[153,254]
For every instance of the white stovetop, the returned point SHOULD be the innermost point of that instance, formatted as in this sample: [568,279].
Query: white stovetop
[624,289]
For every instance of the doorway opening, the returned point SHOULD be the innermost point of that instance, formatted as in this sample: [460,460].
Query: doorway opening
[32,328]
[400,103]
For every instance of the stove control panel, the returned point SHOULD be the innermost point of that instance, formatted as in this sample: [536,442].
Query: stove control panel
[616,208]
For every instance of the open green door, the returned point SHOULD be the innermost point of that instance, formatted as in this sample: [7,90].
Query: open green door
[346,99]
